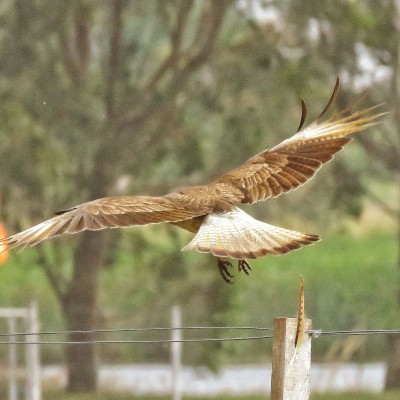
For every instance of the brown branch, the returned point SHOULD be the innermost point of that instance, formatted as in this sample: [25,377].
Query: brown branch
[70,62]
[76,53]
[113,59]
[82,37]
[185,65]
[213,19]
[176,39]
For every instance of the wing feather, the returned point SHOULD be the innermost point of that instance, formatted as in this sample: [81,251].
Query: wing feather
[109,212]
[296,160]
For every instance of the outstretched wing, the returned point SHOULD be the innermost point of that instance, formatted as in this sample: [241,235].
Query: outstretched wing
[109,212]
[296,160]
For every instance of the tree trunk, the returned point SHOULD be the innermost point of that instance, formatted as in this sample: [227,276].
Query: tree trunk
[79,306]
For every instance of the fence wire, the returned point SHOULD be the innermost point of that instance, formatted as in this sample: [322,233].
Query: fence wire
[124,330]
[316,333]
[144,341]
[313,333]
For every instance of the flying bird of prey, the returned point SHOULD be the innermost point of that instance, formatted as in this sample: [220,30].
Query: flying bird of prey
[210,211]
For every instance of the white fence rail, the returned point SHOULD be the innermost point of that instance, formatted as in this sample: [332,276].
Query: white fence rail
[30,373]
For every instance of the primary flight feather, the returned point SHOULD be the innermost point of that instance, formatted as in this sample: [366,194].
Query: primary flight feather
[211,211]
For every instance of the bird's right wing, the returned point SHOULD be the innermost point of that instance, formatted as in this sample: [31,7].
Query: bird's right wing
[293,162]
[108,212]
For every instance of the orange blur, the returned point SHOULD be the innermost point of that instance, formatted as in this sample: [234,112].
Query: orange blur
[3,248]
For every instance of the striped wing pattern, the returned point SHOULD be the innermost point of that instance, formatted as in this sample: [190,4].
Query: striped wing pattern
[236,234]
[110,212]
[296,160]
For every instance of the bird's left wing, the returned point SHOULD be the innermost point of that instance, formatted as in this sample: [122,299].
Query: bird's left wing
[109,212]
[296,160]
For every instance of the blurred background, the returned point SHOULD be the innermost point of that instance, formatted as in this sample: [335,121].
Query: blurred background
[121,97]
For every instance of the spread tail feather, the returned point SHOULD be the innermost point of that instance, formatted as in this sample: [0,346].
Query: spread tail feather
[236,234]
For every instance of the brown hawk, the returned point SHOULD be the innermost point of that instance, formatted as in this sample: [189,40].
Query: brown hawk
[211,211]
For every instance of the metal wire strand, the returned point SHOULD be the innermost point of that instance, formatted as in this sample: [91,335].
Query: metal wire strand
[124,330]
[316,333]
[161,341]
[313,333]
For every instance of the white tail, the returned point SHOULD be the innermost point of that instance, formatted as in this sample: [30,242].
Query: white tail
[236,234]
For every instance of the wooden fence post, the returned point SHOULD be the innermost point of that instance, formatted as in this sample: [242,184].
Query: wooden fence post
[290,370]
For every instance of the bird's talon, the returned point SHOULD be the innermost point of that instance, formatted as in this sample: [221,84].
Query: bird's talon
[223,266]
[244,266]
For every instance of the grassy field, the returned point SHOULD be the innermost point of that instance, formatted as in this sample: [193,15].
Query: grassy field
[340,274]
[350,282]
[336,396]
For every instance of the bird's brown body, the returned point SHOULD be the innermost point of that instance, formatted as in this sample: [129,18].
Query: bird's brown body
[211,211]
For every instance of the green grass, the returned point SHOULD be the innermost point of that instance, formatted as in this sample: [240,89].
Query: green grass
[357,396]
[331,396]
[350,282]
